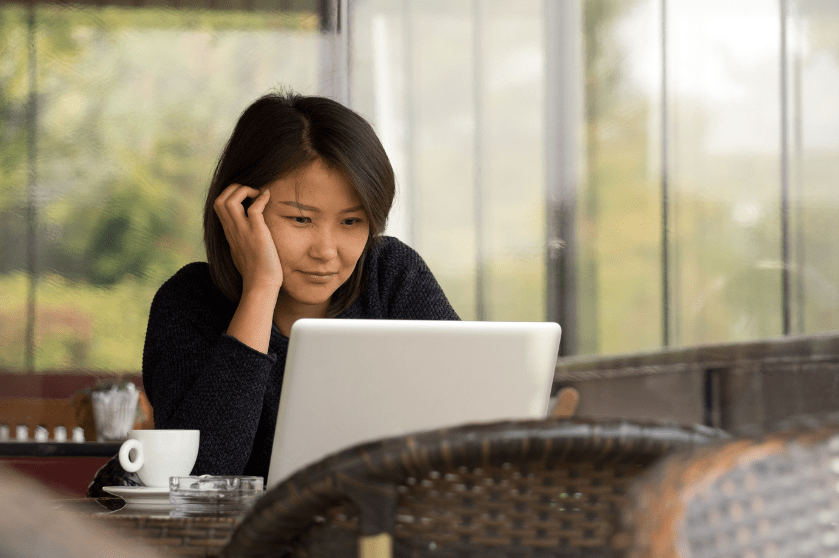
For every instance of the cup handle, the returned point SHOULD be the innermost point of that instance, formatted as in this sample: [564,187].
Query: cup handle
[124,458]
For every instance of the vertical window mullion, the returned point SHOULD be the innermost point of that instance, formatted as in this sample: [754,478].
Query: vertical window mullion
[665,189]
[784,168]
[32,185]
[478,189]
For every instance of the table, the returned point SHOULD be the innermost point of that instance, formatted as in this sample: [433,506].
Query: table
[157,528]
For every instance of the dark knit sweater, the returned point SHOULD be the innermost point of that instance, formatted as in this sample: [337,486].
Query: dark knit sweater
[197,376]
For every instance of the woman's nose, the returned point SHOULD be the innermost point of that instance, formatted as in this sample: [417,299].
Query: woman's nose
[323,245]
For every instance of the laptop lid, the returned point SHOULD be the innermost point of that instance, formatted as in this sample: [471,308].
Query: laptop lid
[353,381]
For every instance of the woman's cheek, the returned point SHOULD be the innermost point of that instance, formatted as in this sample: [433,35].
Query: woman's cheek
[279,236]
[356,247]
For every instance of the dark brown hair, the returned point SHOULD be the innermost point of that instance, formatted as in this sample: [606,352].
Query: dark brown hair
[281,133]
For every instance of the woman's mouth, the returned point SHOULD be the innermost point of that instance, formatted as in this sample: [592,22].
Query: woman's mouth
[319,276]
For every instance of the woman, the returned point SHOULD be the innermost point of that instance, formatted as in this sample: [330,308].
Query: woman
[293,229]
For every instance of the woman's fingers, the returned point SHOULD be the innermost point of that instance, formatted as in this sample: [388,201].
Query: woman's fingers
[231,198]
[227,193]
[251,244]
[230,209]
[258,205]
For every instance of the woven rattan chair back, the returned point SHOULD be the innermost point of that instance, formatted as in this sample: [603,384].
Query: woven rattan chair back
[525,488]
[771,496]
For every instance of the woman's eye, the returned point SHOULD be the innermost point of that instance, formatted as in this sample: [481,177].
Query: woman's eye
[301,220]
[352,221]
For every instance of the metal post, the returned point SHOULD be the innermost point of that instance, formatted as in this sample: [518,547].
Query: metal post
[410,122]
[32,197]
[798,181]
[478,189]
[785,249]
[564,120]
[334,51]
[665,189]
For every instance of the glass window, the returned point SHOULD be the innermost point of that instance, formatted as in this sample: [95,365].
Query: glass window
[707,205]
[694,145]
[619,219]
[455,89]
[813,149]
[724,136]
[112,120]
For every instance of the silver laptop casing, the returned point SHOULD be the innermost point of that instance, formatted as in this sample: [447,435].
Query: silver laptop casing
[353,381]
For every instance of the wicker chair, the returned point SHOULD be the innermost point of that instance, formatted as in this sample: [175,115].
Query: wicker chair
[772,495]
[524,488]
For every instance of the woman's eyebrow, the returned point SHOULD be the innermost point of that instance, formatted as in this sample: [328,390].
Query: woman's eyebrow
[303,207]
[300,206]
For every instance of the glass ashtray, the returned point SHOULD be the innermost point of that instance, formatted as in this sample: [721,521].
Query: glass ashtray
[209,495]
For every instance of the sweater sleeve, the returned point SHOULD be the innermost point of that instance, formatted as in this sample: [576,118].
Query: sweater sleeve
[197,377]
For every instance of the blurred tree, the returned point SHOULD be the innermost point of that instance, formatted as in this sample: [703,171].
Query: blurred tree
[124,240]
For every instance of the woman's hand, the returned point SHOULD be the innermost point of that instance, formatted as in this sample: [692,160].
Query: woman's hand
[255,256]
[251,244]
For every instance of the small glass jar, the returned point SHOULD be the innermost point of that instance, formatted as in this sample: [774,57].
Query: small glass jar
[22,433]
[213,495]
[60,434]
[42,434]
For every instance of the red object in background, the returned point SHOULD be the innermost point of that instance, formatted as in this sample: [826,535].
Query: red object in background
[68,476]
[58,384]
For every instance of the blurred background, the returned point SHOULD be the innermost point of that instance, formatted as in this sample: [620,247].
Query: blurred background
[648,173]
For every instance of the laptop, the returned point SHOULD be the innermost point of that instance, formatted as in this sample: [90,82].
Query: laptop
[353,381]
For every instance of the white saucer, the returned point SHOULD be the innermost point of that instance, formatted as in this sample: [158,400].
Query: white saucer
[144,496]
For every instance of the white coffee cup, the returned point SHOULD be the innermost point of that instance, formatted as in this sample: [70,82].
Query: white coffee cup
[156,455]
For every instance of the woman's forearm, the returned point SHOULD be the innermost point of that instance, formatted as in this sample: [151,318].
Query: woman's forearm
[251,323]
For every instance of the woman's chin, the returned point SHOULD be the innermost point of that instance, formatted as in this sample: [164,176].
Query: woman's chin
[313,300]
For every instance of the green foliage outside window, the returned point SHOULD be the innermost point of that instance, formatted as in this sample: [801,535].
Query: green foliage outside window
[130,121]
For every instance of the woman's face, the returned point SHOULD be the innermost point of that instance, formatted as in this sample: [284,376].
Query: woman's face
[320,229]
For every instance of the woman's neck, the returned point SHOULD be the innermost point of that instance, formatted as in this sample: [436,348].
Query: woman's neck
[288,311]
